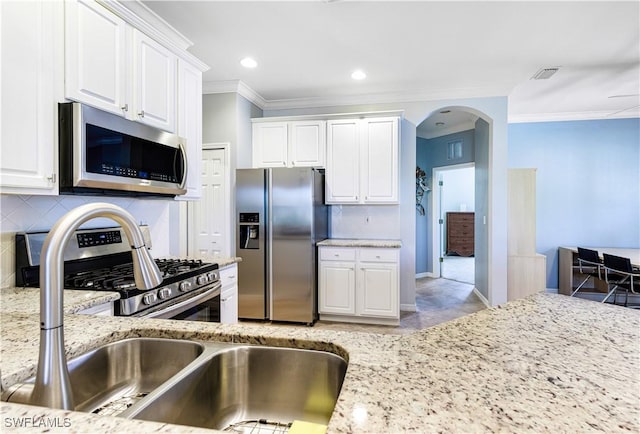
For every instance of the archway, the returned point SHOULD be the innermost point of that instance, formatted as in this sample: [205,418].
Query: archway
[478,155]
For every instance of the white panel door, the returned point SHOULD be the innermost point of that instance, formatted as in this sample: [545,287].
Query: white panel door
[31,83]
[96,57]
[380,160]
[270,142]
[307,143]
[155,88]
[342,173]
[337,288]
[211,213]
[377,292]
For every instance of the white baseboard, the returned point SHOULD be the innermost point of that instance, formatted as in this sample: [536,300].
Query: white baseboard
[481,297]
[409,307]
[421,275]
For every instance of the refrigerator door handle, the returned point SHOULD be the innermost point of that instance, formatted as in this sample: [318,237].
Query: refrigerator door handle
[269,249]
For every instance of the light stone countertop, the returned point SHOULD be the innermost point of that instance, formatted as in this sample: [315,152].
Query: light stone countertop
[547,363]
[348,242]
[27,300]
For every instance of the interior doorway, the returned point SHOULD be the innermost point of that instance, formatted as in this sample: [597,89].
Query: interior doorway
[454,235]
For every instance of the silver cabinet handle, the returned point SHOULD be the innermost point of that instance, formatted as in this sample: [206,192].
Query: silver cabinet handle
[141,114]
[125,107]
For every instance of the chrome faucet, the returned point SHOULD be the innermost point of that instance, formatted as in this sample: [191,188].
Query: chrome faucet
[52,387]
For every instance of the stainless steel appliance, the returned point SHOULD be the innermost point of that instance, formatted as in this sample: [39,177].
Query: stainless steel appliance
[100,260]
[102,153]
[280,216]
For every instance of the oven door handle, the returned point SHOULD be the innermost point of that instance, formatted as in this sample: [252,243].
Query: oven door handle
[177,308]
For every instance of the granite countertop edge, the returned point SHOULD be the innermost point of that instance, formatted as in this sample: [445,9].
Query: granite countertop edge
[353,242]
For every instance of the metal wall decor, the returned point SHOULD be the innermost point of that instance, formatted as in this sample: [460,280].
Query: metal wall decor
[422,186]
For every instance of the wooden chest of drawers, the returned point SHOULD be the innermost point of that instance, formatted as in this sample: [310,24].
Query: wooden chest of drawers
[460,233]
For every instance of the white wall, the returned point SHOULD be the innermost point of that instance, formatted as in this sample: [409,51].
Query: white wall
[459,190]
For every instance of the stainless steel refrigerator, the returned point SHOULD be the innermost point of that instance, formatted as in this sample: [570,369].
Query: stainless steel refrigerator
[280,215]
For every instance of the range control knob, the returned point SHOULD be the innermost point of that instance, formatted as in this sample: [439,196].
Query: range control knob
[149,298]
[164,293]
[185,286]
[202,280]
[211,276]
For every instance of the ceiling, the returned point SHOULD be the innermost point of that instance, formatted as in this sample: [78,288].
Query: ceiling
[421,50]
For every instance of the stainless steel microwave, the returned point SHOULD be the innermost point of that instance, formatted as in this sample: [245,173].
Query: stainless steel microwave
[102,153]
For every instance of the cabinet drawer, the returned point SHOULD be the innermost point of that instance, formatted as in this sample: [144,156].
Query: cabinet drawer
[337,254]
[379,255]
[229,275]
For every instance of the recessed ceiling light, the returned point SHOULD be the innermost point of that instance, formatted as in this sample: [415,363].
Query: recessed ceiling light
[358,74]
[248,62]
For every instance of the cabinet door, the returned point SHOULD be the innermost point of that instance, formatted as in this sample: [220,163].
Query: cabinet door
[96,56]
[190,124]
[380,160]
[377,292]
[229,306]
[337,288]
[343,161]
[154,83]
[307,143]
[270,142]
[31,82]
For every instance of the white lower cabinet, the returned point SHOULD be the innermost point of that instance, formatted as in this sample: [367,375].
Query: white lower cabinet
[359,284]
[229,294]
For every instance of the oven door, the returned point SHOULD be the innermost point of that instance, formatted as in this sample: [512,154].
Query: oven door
[204,306]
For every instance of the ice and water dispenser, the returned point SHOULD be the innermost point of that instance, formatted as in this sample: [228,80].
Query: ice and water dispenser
[249,229]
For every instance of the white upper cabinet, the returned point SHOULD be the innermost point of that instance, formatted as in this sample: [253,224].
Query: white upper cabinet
[362,161]
[96,57]
[342,175]
[270,141]
[307,143]
[379,162]
[114,67]
[289,144]
[154,79]
[31,37]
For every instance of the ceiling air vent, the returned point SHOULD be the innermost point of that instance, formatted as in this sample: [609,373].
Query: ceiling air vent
[544,73]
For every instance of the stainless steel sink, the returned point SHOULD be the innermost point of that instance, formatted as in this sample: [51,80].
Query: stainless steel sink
[113,377]
[248,383]
[203,384]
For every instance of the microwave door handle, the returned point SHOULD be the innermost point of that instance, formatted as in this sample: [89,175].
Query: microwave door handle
[185,167]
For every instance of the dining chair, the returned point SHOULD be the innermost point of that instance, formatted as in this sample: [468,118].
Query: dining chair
[619,272]
[589,264]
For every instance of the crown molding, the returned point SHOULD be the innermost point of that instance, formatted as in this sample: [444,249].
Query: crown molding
[388,97]
[569,116]
[237,86]
[148,22]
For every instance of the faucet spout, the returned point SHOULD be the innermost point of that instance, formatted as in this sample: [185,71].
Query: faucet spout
[52,387]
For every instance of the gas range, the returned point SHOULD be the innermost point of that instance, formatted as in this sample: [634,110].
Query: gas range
[100,260]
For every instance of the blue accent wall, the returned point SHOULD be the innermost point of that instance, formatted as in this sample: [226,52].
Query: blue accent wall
[587,184]
[432,153]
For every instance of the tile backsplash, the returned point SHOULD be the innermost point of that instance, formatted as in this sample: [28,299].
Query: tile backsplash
[33,213]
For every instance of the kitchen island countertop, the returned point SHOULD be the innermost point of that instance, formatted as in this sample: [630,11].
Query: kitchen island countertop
[541,364]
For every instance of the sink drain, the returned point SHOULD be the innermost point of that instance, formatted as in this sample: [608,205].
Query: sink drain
[259,426]
[119,405]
